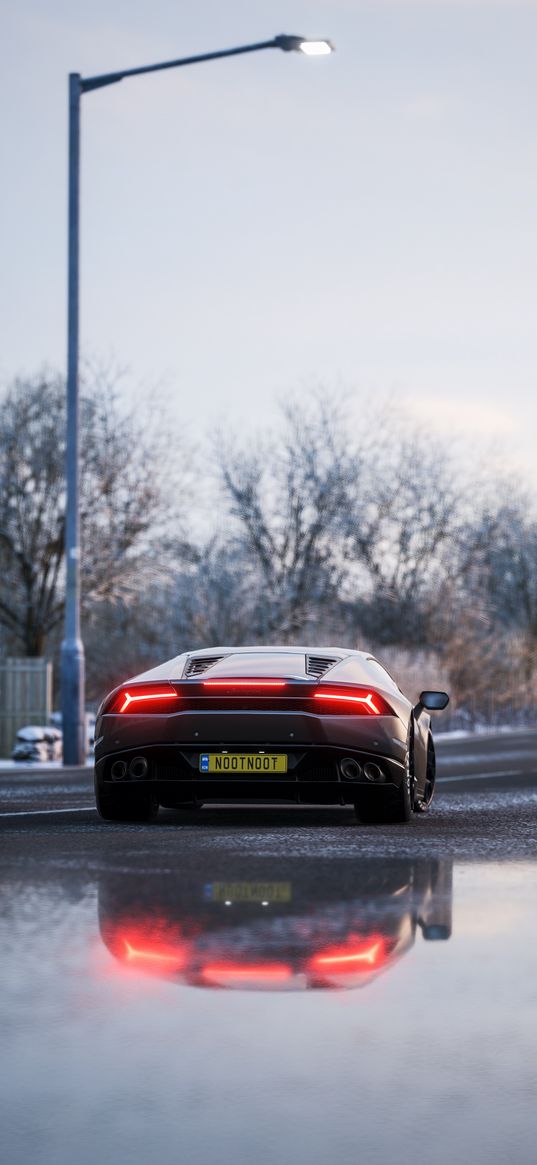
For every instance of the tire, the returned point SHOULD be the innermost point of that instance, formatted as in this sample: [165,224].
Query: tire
[139,805]
[403,805]
[383,807]
[422,804]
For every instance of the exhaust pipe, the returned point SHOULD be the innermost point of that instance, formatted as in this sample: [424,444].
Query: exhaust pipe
[350,769]
[118,770]
[138,768]
[373,772]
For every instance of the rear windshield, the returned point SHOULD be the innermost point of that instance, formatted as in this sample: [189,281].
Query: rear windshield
[357,670]
[262,663]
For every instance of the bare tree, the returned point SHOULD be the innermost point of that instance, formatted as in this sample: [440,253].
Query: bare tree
[402,531]
[368,533]
[502,570]
[212,600]
[124,508]
[204,601]
[288,499]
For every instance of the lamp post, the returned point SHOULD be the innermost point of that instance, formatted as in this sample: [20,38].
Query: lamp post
[72,655]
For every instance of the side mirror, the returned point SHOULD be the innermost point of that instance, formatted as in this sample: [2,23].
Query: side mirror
[435,932]
[434,701]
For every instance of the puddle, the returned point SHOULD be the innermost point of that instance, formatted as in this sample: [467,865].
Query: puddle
[271,1010]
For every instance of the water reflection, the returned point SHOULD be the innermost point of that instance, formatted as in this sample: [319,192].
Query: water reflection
[285,925]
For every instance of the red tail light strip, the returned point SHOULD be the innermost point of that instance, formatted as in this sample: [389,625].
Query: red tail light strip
[143,697]
[366,701]
[254,684]
[249,693]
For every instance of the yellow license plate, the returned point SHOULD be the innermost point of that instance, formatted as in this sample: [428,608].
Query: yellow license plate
[242,763]
[248,892]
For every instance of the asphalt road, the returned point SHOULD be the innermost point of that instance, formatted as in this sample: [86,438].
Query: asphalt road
[485,808]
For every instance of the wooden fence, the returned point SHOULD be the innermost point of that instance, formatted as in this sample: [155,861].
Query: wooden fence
[25,697]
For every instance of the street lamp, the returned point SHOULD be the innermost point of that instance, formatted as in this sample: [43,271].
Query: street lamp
[72,656]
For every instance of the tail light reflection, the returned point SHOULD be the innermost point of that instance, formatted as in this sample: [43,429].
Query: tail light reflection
[155,950]
[230,974]
[352,958]
[154,947]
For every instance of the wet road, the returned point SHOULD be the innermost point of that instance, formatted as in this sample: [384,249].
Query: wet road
[273,984]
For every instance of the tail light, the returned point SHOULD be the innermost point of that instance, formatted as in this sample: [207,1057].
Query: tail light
[352,701]
[242,974]
[139,698]
[232,693]
[251,685]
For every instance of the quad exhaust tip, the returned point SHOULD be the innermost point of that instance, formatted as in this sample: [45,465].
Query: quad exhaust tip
[138,768]
[350,769]
[118,770]
[373,772]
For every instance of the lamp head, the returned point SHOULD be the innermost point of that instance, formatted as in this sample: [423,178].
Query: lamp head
[300,44]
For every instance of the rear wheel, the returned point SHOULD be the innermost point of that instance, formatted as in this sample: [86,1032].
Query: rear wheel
[126,805]
[422,803]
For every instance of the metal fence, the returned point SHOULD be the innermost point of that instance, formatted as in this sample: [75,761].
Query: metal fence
[25,697]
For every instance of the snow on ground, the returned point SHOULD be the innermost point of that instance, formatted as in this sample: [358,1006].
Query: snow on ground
[483,730]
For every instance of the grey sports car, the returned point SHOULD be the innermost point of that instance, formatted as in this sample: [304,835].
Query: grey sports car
[303,724]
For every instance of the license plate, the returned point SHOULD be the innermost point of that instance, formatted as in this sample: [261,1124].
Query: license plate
[248,892]
[241,763]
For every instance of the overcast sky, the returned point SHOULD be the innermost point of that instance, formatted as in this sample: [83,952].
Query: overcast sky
[256,225]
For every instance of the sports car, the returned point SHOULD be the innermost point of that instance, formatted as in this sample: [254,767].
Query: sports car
[303,724]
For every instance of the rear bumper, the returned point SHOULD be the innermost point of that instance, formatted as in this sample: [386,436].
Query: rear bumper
[250,730]
[314,775]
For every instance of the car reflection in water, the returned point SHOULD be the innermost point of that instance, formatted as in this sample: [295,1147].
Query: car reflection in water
[273,924]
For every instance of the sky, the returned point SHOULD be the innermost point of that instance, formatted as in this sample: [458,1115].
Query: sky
[261,225]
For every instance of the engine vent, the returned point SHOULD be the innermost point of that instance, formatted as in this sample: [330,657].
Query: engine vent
[198,664]
[317,665]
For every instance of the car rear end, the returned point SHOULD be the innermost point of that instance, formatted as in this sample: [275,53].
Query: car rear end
[251,726]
